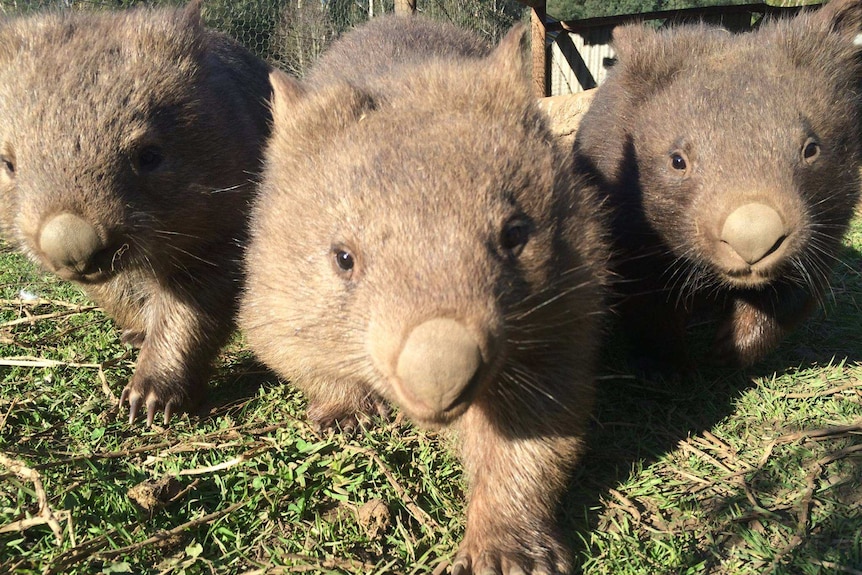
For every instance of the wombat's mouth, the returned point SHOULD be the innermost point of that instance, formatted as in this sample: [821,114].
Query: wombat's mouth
[98,268]
[739,273]
[428,415]
[752,244]
[77,250]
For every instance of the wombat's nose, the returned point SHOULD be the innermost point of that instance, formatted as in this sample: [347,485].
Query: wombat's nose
[438,362]
[753,231]
[69,242]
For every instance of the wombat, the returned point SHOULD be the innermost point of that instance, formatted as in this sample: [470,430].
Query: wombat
[420,237]
[129,142]
[731,165]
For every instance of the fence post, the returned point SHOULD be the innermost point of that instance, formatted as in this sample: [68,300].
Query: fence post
[541,52]
[405,6]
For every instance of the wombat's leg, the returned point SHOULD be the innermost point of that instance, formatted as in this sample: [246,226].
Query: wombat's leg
[183,338]
[518,449]
[344,407]
[754,324]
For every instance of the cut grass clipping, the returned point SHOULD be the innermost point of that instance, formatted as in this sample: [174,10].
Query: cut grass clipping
[729,472]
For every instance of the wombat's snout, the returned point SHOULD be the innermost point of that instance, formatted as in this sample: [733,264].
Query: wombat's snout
[72,246]
[753,231]
[437,365]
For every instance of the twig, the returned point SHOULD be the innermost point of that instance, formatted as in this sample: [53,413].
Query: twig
[807,497]
[686,446]
[185,491]
[41,301]
[825,392]
[627,504]
[46,514]
[163,535]
[12,405]
[104,455]
[824,433]
[54,315]
[39,362]
[420,514]
[213,468]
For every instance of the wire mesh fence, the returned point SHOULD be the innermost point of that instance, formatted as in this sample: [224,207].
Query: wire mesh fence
[291,34]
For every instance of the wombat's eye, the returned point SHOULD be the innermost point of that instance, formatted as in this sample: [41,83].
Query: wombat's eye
[149,158]
[810,151]
[677,161]
[8,164]
[344,260]
[514,236]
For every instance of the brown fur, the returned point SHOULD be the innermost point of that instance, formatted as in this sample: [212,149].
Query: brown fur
[741,111]
[149,128]
[442,181]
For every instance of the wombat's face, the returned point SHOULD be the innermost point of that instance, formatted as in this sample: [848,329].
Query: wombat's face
[112,145]
[407,251]
[747,150]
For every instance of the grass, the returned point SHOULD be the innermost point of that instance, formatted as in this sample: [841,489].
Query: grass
[728,473]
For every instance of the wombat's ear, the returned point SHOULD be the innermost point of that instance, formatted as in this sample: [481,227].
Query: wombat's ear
[635,47]
[192,14]
[510,53]
[842,17]
[305,122]
[648,58]
[627,39]
[286,94]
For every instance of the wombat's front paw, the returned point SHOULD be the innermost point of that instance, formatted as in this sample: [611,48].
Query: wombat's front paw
[529,554]
[326,415]
[139,393]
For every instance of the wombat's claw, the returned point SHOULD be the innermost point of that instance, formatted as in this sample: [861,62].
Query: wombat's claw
[135,403]
[461,566]
[497,562]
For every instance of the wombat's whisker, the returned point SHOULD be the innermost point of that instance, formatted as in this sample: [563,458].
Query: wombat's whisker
[238,187]
[553,299]
[169,233]
[193,256]
[531,382]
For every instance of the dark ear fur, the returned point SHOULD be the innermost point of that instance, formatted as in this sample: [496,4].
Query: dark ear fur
[287,92]
[191,14]
[842,17]
[510,54]
[648,59]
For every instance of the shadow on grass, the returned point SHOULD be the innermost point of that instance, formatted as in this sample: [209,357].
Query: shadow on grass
[636,422]
[239,378]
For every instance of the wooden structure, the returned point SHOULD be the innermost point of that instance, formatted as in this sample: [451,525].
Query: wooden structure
[572,56]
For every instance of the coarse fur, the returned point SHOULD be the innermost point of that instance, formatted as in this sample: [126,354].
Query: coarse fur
[731,163]
[136,135]
[373,56]
[425,216]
